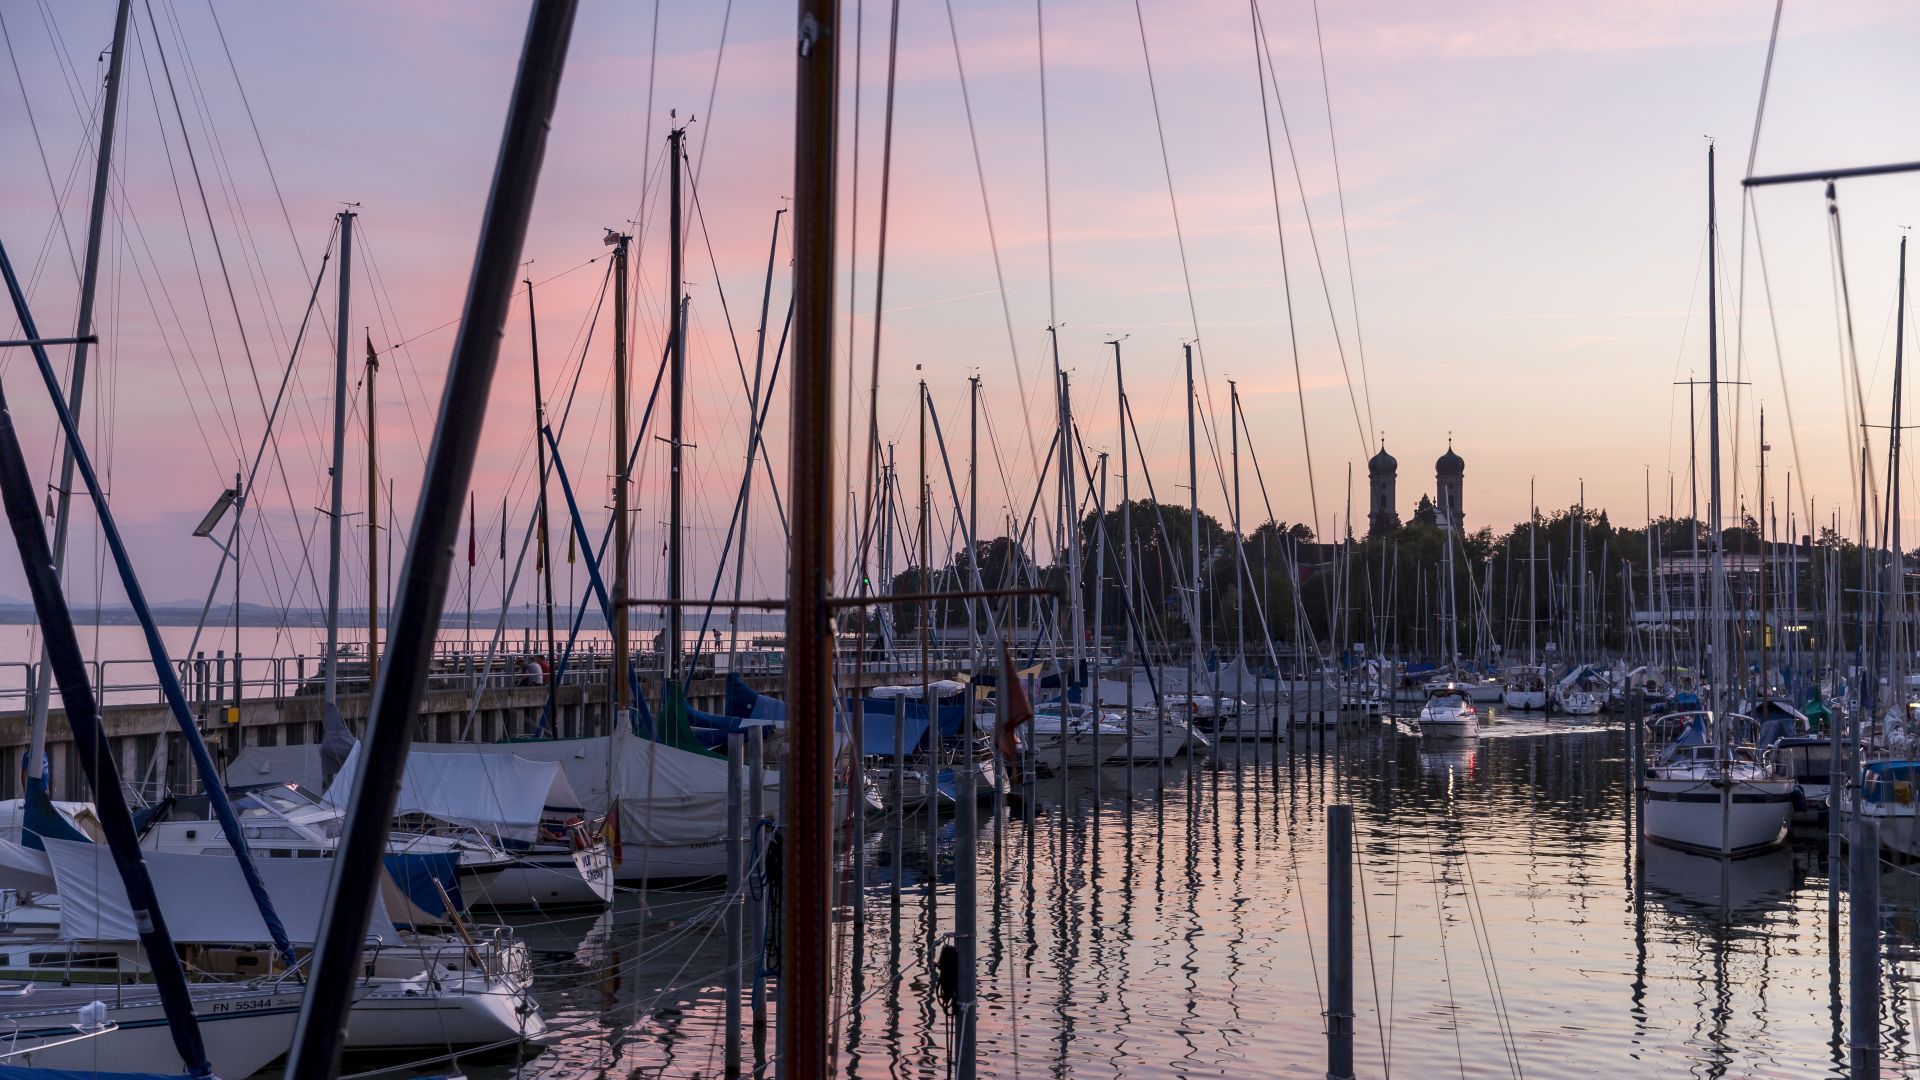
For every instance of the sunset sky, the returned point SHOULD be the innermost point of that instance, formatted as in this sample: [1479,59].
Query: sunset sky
[1524,201]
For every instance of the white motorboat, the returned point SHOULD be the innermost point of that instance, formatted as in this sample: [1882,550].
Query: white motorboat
[1711,790]
[1449,713]
[1075,740]
[1485,691]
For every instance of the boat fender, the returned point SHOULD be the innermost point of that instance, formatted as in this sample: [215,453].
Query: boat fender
[1799,800]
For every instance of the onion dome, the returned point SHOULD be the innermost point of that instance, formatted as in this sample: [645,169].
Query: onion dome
[1450,463]
[1382,463]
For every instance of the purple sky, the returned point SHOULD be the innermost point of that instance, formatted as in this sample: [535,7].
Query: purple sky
[1524,204]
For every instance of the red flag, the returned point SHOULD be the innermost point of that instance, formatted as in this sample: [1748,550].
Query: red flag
[473,537]
[1015,709]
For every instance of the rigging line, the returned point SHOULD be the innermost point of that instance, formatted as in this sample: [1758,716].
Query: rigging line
[193,249]
[713,88]
[1306,215]
[993,241]
[867,524]
[739,359]
[1286,276]
[432,330]
[1046,158]
[206,208]
[1852,350]
[59,212]
[1340,191]
[853,268]
[267,439]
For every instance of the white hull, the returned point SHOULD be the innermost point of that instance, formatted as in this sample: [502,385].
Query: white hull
[1450,727]
[534,880]
[407,1015]
[1324,718]
[1485,693]
[1157,741]
[1527,700]
[1731,818]
[243,1030]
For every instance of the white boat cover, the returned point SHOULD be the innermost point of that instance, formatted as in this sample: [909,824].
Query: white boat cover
[24,869]
[277,765]
[204,897]
[667,796]
[500,794]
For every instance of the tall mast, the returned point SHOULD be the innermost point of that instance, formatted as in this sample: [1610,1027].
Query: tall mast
[1070,516]
[676,311]
[1126,502]
[76,388]
[338,472]
[621,622]
[1193,521]
[1533,603]
[1715,547]
[1765,684]
[373,524]
[1239,601]
[542,560]
[806,942]
[1896,561]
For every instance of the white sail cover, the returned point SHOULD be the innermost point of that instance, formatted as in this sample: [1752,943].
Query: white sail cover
[500,794]
[204,897]
[24,869]
[667,796]
[277,765]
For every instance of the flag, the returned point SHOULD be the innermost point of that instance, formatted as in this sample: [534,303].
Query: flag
[503,528]
[373,358]
[473,540]
[1015,709]
[569,547]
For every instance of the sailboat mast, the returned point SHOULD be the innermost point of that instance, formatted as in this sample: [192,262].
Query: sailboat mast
[373,524]
[1533,600]
[1193,521]
[1716,554]
[676,311]
[1896,561]
[338,472]
[542,558]
[622,624]
[1765,632]
[76,387]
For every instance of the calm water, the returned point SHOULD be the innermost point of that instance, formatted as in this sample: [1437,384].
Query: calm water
[1498,932]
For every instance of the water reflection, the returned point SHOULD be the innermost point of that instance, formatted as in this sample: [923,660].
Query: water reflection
[1175,922]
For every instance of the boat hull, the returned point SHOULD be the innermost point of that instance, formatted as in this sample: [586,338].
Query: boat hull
[1718,817]
[243,1032]
[1525,700]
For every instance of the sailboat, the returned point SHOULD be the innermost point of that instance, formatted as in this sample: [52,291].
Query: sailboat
[1712,789]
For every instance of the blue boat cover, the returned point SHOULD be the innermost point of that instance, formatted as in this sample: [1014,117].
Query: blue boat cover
[876,736]
[415,876]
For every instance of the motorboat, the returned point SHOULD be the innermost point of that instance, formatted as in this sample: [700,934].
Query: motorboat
[1068,735]
[1712,790]
[1449,713]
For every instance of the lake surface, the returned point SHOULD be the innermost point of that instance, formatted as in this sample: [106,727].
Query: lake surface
[1501,929]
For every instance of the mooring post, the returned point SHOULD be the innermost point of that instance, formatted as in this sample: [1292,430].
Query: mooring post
[1863,981]
[965,896]
[736,879]
[1339,942]
[757,911]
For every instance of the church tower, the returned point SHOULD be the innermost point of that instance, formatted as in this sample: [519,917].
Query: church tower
[1382,471]
[1449,476]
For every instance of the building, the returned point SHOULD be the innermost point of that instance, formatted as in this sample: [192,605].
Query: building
[1449,479]
[1382,471]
